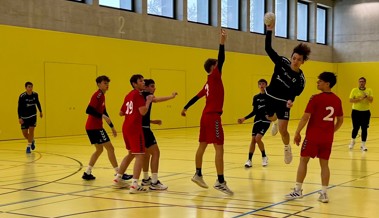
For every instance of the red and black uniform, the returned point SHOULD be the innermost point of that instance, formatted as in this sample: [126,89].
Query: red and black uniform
[27,109]
[323,107]
[211,130]
[132,127]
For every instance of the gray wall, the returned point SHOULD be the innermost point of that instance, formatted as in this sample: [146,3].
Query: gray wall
[91,19]
[356,31]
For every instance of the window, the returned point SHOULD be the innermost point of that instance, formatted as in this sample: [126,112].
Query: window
[122,4]
[302,21]
[164,8]
[257,10]
[230,14]
[198,11]
[321,25]
[281,14]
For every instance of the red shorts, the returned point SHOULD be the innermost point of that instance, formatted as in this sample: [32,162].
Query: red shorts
[211,129]
[134,140]
[316,148]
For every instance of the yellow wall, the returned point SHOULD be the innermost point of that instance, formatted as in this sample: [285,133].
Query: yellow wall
[63,67]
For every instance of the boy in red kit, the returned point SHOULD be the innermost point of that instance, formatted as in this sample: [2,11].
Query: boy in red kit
[97,135]
[325,116]
[133,108]
[210,124]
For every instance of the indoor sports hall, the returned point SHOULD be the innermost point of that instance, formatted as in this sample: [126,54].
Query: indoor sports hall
[61,47]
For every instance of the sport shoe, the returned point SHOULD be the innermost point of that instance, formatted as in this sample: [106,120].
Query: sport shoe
[323,197]
[248,164]
[137,189]
[126,176]
[363,148]
[28,150]
[223,187]
[158,186]
[295,194]
[287,154]
[33,145]
[146,182]
[351,145]
[199,181]
[120,183]
[264,161]
[88,176]
[274,129]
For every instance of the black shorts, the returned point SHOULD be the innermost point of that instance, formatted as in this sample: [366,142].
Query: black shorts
[149,137]
[278,107]
[29,122]
[260,127]
[97,136]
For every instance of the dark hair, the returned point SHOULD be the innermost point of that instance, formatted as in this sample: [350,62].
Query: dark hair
[328,77]
[135,78]
[362,78]
[149,82]
[262,81]
[209,63]
[302,49]
[28,83]
[102,78]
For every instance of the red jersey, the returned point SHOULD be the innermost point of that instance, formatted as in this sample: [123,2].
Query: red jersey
[133,118]
[213,90]
[323,107]
[97,102]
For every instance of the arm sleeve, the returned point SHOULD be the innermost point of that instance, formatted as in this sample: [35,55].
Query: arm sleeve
[269,50]
[38,103]
[253,113]
[221,57]
[191,102]
[92,111]
[19,108]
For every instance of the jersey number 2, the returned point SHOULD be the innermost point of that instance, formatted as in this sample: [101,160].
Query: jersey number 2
[329,116]
[129,107]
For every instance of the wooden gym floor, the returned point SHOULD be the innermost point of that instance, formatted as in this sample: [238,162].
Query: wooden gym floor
[47,183]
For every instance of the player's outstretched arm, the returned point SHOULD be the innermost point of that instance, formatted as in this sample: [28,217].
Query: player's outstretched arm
[165,98]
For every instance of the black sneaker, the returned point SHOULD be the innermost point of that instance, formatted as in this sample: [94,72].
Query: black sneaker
[33,145]
[127,177]
[88,176]
[146,182]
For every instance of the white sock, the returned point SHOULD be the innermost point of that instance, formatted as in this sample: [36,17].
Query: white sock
[89,169]
[116,169]
[324,188]
[352,141]
[145,175]
[154,178]
[363,143]
[29,145]
[298,186]
[118,176]
[135,182]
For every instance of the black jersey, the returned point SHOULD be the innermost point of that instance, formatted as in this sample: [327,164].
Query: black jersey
[146,117]
[285,83]
[27,105]
[259,108]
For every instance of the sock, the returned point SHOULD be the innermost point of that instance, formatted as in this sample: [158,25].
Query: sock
[363,143]
[154,178]
[118,176]
[198,172]
[29,144]
[135,182]
[145,175]
[324,188]
[263,153]
[89,169]
[221,178]
[116,169]
[352,141]
[250,155]
[298,186]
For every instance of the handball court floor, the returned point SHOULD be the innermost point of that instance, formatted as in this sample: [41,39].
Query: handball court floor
[47,183]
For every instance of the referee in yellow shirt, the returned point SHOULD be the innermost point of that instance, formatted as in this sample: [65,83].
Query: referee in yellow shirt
[361,98]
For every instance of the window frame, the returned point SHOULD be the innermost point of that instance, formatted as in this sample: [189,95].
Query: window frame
[307,22]
[174,13]
[287,21]
[238,17]
[264,12]
[122,9]
[326,24]
[208,17]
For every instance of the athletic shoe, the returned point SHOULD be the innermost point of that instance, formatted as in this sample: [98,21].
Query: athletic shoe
[222,187]
[248,164]
[264,161]
[126,176]
[88,176]
[199,181]
[295,194]
[287,154]
[146,182]
[351,146]
[120,183]
[137,189]
[28,150]
[363,148]
[274,129]
[33,145]
[323,197]
[158,186]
